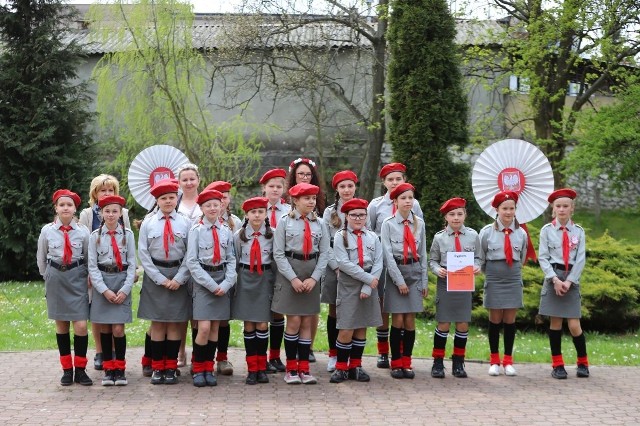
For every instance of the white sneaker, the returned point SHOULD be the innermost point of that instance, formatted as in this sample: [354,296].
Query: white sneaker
[307,379]
[292,378]
[494,370]
[509,370]
[331,365]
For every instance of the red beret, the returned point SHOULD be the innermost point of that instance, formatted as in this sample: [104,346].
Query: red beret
[403,187]
[255,203]
[562,193]
[111,199]
[297,161]
[452,204]
[343,175]
[209,194]
[303,189]
[354,203]
[66,193]
[392,167]
[501,197]
[219,185]
[164,186]
[273,173]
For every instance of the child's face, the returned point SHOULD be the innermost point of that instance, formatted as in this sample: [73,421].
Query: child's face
[211,209]
[392,180]
[167,202]
[346,189]
[563,208]
[65,209]
[507,212]
[305,204]
[404,202]
[189,181]
[455,218]
[111,213]
[256,217]
[357,218]
[226,200]
[273,189]
[105,190]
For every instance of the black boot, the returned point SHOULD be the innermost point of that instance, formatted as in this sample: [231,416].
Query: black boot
[82,378]
[437,370]
[67,377]
[458,367]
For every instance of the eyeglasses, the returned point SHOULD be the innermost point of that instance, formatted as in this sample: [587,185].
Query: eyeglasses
[304,175]
[357,216]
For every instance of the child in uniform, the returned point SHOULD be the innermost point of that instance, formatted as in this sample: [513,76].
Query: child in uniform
[300,250]
[503,250]
[254,290]
[164,299]
[112,268]
[404,246]
[344,183]
[452,306]
[381,208]
[212,262]
[273,184]
[358,252]
[61,258]
[562,259]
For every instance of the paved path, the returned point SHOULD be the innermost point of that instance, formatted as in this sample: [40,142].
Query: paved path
[30,394]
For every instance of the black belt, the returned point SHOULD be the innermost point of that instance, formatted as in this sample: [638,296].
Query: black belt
[167,264]
[264,267]
[561,266]
[211,268]
[111,268]
[409,261]
[68,267]
[300,256]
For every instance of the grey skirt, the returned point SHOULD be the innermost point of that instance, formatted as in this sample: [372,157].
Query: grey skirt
[209,307]
[162,305]
[252,298]
[66,294]
[382,282]
[396,303]
[452,306]
[353,312]
[503,285]
[105,312]
[567,306]
[285,299]
[329,290]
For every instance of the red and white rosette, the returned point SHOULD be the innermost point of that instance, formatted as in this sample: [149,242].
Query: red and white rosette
[151,165]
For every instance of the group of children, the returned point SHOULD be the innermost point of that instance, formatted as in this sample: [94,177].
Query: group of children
[367,261]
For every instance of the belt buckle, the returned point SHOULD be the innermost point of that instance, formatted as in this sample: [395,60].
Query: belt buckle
[63,268]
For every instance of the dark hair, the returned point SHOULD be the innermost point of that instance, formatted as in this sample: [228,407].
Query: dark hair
[321,202]
[230,222]
[336,222]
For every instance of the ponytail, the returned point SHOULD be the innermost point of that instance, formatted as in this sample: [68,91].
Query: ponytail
[100,230]
[268,234]
[336,222]
[243,231]
[344,235]
[230,219]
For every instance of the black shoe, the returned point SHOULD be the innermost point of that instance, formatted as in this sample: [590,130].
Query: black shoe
[199,381]
[271,369]
[262,377]
[559,372]
[458,367]
[170,376]
[147,371]
[312,356]
[383,361]
[339,376]
[252,378]
[582,371]
[157,377]
[408,373]
[437,369]
[81,377]
[178,372]
[67,377]
[397,373]
[97,361]
[108,379]
[119,379]
[210,378]
[278,365]
[358,374]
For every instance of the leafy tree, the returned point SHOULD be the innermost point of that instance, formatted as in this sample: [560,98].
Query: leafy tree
[427,105]
[44,144]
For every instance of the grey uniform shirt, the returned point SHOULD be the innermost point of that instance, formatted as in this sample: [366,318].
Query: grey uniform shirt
[347,256]
[551,249]
[392,238]
[444,241]
[289,236]
[200,252]
[102,254]
[281,210]
[326,218]
[492,243]
[381,208]
[51,244]
[151,245]
[237,223]
[243,250]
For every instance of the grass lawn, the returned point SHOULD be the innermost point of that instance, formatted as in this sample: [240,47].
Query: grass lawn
[23,313]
